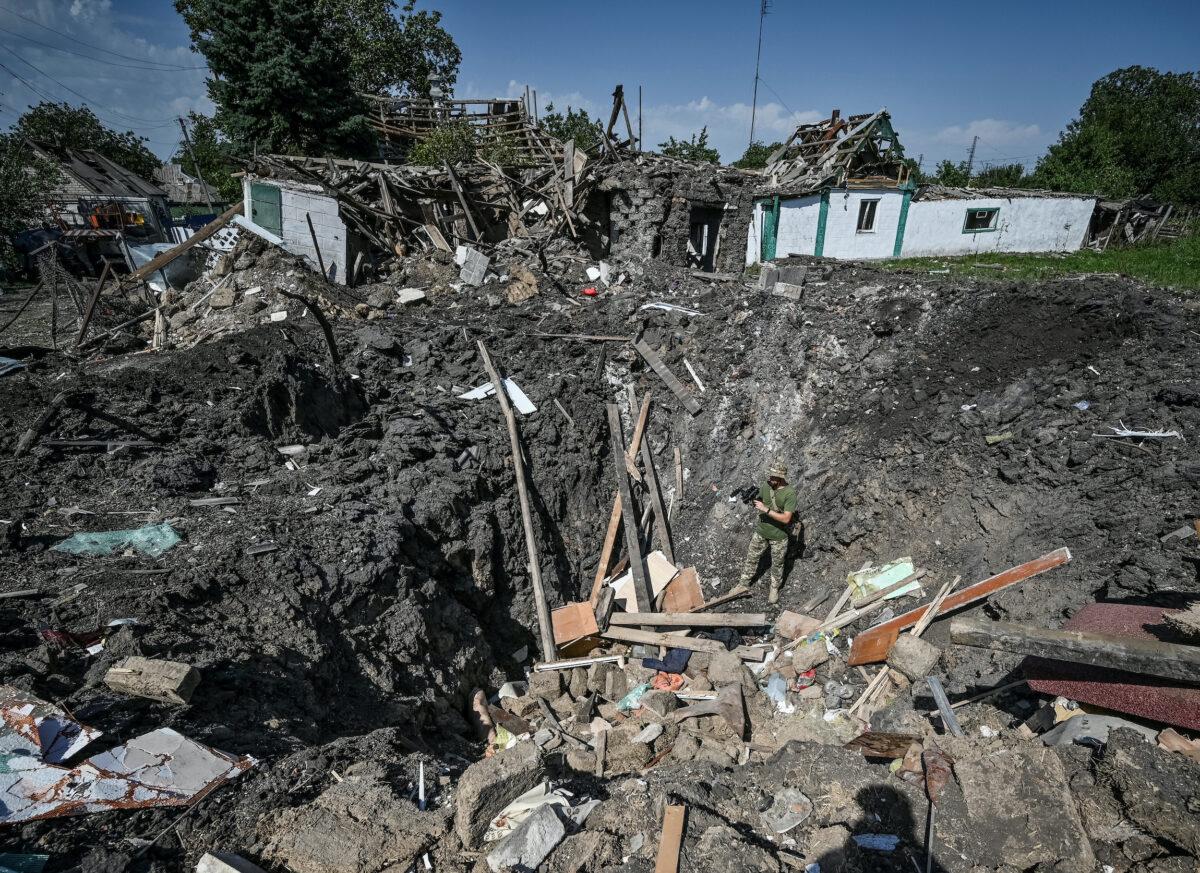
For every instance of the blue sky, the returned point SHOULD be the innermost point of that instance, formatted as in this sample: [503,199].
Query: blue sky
[1013,74]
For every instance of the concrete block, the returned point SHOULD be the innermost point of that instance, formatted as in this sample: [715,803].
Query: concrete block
[791,292]
[530,843]
[767,277]
[223,862]
[489,785]
[661,702]
[913,657]
[168,681]
[793,274]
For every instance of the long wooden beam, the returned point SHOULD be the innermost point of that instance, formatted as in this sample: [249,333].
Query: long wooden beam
[872,646]
[1146,657]
[642,592]
[545,625]
[678,641]
[651,357]
[156,264]
[690,619]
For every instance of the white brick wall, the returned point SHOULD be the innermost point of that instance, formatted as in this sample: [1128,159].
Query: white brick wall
[332,236]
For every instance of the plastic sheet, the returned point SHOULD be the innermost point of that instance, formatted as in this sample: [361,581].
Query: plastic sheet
[152,540]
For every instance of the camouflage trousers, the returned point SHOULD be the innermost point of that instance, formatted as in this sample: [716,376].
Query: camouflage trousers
[754,553]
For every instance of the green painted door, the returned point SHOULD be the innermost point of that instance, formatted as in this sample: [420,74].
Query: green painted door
[770,228]
[265,208]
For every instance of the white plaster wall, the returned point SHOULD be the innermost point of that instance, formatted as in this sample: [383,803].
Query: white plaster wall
[295,202]
[842,239]
[1025,224]
[754,235]
[798,219]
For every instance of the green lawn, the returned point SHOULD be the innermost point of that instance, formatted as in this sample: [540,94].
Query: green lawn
[1175,263]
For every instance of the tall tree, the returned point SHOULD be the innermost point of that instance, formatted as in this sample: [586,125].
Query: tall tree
[952,174]
[214,157]
[26,182]
[694,149]
[77,127]
[1136,135]
[755,156]
[1001,176]
[574,124]
[382,46]
[279,79]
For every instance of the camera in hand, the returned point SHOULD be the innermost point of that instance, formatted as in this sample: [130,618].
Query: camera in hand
[747,495]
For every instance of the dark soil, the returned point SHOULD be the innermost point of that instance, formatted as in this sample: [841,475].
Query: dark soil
[399,583]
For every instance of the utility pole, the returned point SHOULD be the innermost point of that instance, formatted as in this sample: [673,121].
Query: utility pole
[971,159]
[187,141]
[764,5]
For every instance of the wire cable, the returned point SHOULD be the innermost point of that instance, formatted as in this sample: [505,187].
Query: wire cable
[79,41]
[159,69]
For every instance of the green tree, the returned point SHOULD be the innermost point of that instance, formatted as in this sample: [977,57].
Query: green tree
[215,162]
[453,142]
[1001,176]
[576,125]
[77,127]
[1136,135]
[950,173]
[382,47]
[26,182]
[755,156]
[279,79]
[695,149]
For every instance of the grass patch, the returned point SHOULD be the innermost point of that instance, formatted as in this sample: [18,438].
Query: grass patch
[1175,263]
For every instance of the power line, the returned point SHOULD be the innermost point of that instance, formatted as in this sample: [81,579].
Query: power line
[777,97]
[146,121]
[158,69]
[81,42]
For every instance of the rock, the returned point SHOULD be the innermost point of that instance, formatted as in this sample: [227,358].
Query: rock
[589,850]
[791,625]
[489,785]
[649,733]
[583,760]
[997,782]
[809,655]
[353,826]
[168,681]
[913,657]
[546,684]
[1158,789]
[530,843]
[685,748]
[409,295]
[222,298]
[577,682]
[221,862]
[661,702]
[380,298]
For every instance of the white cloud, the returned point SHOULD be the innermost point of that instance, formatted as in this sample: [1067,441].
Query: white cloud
[120,90]
[992,131]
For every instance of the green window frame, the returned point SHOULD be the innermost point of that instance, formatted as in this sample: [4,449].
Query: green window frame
[993,213]
[266,209]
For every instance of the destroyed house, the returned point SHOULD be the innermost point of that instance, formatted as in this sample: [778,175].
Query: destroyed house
[523,190]
[97,197]
[840,188]
[184,189]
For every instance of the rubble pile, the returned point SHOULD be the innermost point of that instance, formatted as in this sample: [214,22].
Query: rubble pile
[304,558]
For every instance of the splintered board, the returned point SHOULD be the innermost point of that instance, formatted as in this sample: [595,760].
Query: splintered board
[872,646]
[689,402]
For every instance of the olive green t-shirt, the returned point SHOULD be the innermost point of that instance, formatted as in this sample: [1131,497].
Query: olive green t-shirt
[781,500]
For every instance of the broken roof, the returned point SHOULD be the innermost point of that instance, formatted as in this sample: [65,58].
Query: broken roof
[101,176]
[948,192]
[836,150]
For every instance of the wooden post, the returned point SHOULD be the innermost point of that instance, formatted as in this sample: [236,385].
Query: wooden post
[661,526]
[610,539]
[668,843]
[1145,657]
[641,582]
[545,627]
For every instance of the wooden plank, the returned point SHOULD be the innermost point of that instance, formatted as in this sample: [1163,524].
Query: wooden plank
[156,264]
[648,354]
[641,582]
[734,594]
[943,705]
[91,306]
[669,843]
[1145,657]
[610,539]
[678,641]
[690,619]
[683,593]
[662,527]
[872,646]
[545,626]
[572,622]
[638,430]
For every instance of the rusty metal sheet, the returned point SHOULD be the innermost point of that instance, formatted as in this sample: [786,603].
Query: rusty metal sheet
[872,646]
